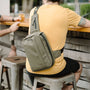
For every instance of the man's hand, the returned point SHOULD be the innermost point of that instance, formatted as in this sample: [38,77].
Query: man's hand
[9,18]
[14,27]
[17,18]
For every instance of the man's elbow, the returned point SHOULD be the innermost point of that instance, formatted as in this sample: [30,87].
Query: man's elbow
[84,23]
[87,24]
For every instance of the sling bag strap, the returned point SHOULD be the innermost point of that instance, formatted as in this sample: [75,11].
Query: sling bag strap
[34,22]
[34,27]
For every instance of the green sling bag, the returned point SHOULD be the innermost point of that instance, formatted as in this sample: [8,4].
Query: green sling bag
[37,48]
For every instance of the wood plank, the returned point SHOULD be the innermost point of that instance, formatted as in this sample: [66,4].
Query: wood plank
[78,88]
[81,35]
[79,29]
[77,47]
[80,56]
[78,41]
[86,65]
[83,84]
[85,75]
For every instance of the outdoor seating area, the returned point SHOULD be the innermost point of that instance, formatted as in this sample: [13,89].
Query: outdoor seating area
[13,73]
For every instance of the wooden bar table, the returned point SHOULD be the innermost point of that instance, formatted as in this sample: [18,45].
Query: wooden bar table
[79,29]
[25,23]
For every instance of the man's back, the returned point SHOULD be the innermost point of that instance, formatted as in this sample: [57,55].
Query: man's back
[54,21]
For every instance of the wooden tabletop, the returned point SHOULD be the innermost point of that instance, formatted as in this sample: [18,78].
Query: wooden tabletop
[79,29]
[25,23]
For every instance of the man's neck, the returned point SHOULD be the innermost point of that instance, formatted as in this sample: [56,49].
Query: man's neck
[51,3]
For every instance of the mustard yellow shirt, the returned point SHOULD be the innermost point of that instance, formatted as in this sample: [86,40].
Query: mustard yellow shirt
[54,21]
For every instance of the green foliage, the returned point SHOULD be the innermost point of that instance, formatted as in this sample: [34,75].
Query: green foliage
[84,9]
[78,0]
[70,0]
[83,0]
[12,2]
[35,1]
[68,6]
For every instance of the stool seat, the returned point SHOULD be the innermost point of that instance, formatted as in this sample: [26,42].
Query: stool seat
[16,60]
[16,64]
[56,83]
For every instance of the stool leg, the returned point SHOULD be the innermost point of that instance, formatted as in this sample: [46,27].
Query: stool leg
[56,86]
[20,79]
[1,80]
[1,76]
[35,84]
[8,79]
[14,77]
[74,85]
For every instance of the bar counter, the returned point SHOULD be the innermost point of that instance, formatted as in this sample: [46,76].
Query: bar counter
[25,23]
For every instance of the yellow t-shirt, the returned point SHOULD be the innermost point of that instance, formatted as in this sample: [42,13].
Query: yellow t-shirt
[54,21]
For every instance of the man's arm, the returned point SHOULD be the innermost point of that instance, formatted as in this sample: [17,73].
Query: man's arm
[4,32]
[12,28]
[84,22]
[8,18]
[5,18]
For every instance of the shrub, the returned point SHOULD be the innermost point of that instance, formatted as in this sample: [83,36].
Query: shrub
[68,6]
[84,9]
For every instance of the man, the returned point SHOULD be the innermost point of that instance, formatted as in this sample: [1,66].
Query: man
[12,28]
[54,21]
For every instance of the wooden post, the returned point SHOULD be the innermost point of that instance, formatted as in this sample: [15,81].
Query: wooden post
[77,7]
[27,5]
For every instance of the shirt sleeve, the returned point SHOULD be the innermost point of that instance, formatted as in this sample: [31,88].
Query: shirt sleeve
[73,18]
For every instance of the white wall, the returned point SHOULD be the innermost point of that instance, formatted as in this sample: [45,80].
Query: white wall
[5,7]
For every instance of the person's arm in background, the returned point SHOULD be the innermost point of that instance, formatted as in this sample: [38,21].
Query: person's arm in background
[12,28]
[9,18]
[84,22]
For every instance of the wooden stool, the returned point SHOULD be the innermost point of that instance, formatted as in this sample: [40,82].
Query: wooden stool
[16,64]
[56,83]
